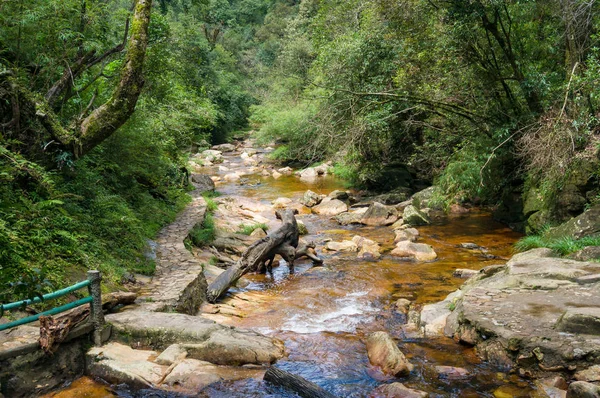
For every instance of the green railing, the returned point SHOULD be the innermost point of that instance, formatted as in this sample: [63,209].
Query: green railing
[94,299]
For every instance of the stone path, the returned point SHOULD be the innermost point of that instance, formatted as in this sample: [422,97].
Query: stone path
[179,284]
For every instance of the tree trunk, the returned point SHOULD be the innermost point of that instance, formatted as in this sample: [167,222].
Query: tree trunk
[279,241]
[297,384]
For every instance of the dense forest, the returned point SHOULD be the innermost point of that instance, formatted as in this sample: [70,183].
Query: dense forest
[102,102]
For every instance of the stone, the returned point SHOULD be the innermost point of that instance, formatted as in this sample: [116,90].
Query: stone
[192,375]
[202,338]
[310,198]
[285,171]
[276,174]
[379,214]
[586,254]
[202,182]
[344,246]
[418,251]
[281,203]
[586,224]
[451,372]
[172,354]
[414,217]
[458,209]
[224,147]
[337,194]
[302,230]
[465,273]
[405,234]
[402,305]
[258,233]
[422,198]
[223,168]
[583,389]
[212,155]
[367,248]
[469,245]
[590,374]
[385,354]
[348,218]
[231,177]
[330,208]
[308,174]
[397,390]
[585,320]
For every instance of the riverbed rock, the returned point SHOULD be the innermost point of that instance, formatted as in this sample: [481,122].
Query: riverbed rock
[367,249]
[451,372]
[224,147]
[285,171]
[337,194]
[203,339]
[433,319]
[348,218]
[172,354]
[402,305]
[344,246]
[212,155]
[417,251]
[397,390]
[302,230]
[330,208]
[231,177]
[202,182]
[591,374]
[276,175]
[422,198]
[464,273]
[586,254]
[379,215]
[192,375]
[405,234]
[308,173]
[385,354]
[310,198]
[582,389]
[535,310]
[281,203]
[414,217]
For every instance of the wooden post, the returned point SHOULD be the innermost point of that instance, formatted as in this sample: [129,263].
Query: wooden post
[96,314]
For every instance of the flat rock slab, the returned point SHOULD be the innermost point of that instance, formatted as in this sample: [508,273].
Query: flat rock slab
[534,313]
[203,339]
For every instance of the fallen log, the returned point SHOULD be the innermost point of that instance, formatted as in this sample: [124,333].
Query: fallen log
[54,329]
[297,384]
[282,241]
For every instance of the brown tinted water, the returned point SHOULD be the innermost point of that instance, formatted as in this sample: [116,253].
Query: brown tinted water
[323,314]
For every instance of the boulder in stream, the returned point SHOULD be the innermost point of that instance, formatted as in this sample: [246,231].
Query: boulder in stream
[417,251]
[379,215]
[385,354]
[202,182]
[583,389]
[397,390]
[311,198]
[330,208]
[414,217]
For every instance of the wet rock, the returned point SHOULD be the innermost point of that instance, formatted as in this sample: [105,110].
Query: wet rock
[469,245]
[348,218]
[451,372]
[458,209]
[584,320]
[308,174]
[422,198]
[379,214]
[310,198]
[276,174]
[417,251]
[231,177]
[202,182]
[302,230]
[367,248]
[211,156]
[323,168]
[405,235]
[173,353]
[224,147]
[223,168]
[330,208]
[285,171]
[434,316]
[414,217]
[590,374]
[582,389]
[265,173]
[586,254]
[585,224]
[337,194]
[192,375]
[344,246]
[397,390]
[402,305]
[281,203]
[464,273]
[385,354]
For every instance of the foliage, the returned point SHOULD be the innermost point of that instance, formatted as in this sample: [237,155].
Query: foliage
[202,235]
[562,246]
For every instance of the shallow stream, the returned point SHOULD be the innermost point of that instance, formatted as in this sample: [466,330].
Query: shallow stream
[323,314]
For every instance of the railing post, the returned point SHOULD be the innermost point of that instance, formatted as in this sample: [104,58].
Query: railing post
[96,314]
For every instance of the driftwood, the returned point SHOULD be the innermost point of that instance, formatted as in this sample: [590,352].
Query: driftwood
[304,250]
[282,241]
[53,330]
[297,384]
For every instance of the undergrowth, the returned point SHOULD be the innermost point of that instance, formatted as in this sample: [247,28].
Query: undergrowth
[247,229]
[562,246]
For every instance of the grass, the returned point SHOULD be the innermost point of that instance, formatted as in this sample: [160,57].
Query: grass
[562,246]
[202,235]
[247,229]
[211,205]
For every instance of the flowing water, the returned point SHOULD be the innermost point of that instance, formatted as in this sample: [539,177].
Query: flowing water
[324,313]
